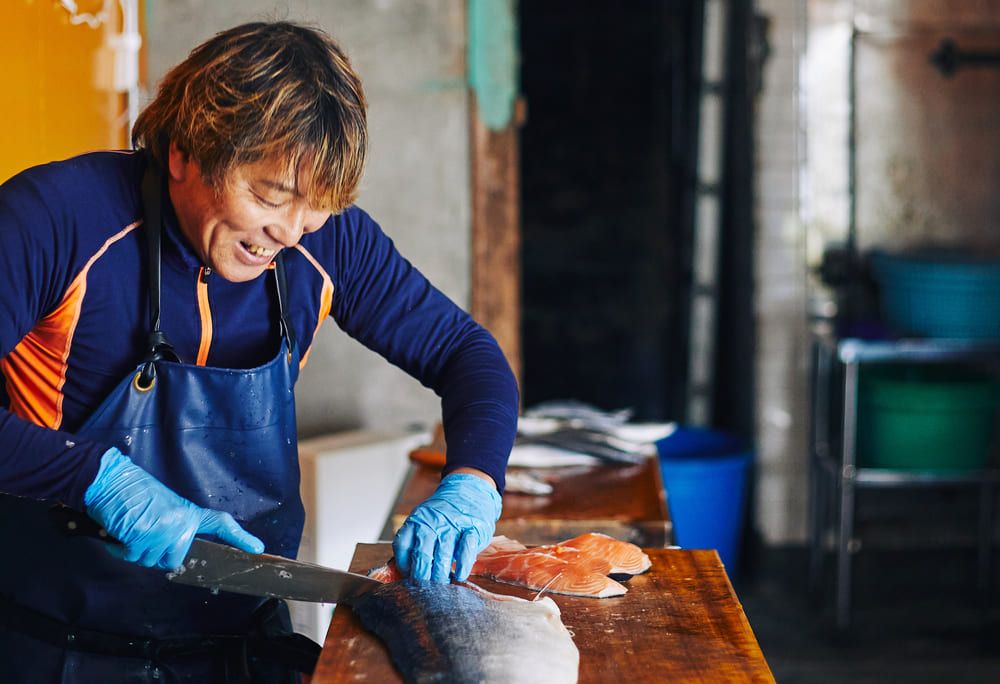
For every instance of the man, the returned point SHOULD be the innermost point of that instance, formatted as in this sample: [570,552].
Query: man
[156,307]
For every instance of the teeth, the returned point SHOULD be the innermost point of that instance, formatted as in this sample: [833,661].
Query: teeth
[259,251]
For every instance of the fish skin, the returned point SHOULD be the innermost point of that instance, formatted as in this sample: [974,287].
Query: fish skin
[459,633]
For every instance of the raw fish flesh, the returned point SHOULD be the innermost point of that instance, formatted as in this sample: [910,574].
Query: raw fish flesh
[439,632]
[624,558]
[547,572]
[576,567]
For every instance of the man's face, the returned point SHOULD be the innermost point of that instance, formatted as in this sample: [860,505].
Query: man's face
[238,231]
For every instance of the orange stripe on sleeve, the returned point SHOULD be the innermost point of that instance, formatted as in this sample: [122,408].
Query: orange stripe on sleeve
[35,369]
[326,302]
[205,311]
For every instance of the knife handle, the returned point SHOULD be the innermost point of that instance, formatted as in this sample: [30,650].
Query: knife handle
[74,523]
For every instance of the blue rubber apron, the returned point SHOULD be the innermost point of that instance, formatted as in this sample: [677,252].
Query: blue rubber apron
[223,438]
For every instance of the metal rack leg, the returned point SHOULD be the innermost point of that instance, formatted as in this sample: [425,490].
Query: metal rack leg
[985,534]
[819,443]
[848,482]
[816,506]
[845,548]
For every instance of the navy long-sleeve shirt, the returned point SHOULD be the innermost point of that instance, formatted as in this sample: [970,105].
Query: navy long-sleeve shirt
[74,318]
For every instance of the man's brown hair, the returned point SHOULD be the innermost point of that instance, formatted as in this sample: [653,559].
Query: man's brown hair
[264,91]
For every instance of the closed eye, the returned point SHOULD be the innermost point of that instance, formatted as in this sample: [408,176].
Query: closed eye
[265,203]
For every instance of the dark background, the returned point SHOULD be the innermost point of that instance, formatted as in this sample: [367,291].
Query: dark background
[607,152]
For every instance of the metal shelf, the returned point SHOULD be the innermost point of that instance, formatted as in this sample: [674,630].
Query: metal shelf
[835,477]
[852,350]
[885,477]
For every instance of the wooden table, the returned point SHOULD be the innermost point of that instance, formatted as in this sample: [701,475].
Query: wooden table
[680,622]
[623,501]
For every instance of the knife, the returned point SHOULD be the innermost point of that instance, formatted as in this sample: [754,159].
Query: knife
[219,567]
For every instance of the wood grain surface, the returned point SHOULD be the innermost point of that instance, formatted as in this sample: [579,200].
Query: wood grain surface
[624,501]
[680,622]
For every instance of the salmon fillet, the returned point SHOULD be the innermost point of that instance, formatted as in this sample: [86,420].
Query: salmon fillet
[576,567]
[624,558]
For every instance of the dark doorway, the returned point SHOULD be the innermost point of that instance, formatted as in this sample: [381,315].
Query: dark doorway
[602,190]
[607,167]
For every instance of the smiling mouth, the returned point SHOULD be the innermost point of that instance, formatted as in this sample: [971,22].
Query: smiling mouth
[259,251]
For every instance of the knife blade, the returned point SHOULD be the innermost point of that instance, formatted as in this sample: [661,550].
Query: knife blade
[219,567]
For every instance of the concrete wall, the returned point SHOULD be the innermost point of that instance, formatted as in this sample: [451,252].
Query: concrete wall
[928,162]
[411,57]
[782,344]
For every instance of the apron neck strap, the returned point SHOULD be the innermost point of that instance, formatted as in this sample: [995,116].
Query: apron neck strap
[281,284]
[152,193]
[158,347]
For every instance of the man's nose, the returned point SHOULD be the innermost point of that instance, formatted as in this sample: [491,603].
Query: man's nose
[288,231]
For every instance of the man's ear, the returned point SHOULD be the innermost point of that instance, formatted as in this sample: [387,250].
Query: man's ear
[178,162]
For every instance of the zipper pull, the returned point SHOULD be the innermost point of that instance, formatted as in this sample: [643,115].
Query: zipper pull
[205,272]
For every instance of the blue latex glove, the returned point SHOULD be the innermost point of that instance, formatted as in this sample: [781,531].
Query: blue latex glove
[454,523]
[154,524]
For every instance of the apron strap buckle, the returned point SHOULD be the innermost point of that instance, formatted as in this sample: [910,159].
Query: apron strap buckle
[160,349]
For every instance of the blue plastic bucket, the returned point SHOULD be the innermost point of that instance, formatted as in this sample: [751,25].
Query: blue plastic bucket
[705,476]
[952,293]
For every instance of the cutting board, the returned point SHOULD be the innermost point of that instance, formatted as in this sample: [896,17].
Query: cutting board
[680,622]
[626,502]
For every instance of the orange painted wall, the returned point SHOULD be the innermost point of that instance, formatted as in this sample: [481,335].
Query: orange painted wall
[55,84]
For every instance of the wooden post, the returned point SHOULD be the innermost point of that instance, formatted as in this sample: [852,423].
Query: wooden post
[495,114]
[496,235]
